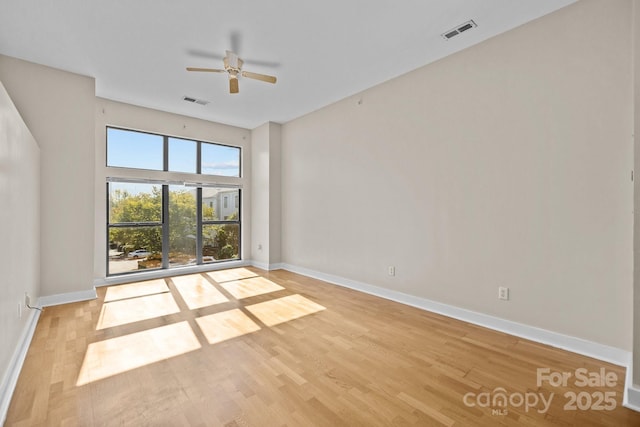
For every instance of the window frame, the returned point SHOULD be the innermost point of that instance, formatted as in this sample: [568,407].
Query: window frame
[166,178]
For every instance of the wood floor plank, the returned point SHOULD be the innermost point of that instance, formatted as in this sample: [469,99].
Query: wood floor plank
[246,347]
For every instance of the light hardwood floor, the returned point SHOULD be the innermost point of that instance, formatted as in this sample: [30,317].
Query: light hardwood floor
[246,347]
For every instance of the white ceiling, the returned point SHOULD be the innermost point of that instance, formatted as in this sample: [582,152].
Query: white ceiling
[321,51]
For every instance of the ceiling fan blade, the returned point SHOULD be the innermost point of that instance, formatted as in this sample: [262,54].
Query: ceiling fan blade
[256,76]
[207,70]
[233,86]
[232,58]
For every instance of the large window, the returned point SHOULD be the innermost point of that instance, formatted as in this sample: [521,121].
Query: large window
[157,222]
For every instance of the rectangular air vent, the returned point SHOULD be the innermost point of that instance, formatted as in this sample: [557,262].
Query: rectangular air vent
[459,29]
[195,100]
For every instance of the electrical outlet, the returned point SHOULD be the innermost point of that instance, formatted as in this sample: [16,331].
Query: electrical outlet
[27,300]
[392,270]
[503,293]
[19,309]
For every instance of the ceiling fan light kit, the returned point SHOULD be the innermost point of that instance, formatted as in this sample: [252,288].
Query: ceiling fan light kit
[233,68]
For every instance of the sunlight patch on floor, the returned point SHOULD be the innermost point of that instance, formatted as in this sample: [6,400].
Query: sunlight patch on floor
[136,302]
[231,274]
[114,356]
[225,325]
[197,292]
[284,309]
[136,309]
[250,287]
[137,289]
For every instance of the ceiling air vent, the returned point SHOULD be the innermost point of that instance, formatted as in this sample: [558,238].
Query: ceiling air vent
[195,100]
[459,29]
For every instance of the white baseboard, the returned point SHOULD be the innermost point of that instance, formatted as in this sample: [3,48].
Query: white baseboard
[260,265]
[15,364]
[631,398]
[66,298]
[566,342]
[276,266]
[265,266]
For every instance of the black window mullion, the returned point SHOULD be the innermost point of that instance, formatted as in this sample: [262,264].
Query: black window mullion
[165,226]
[219,222]
[135,224]
[198,157]
[165,153]
[199,238]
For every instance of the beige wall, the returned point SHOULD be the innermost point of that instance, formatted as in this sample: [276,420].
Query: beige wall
[507,164]
[266,204]
[19,232]
[636,234]
[132,117]
[275,194]
[58,108]
[260,194]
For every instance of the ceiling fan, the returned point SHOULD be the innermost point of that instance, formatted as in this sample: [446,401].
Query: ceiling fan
[233,67]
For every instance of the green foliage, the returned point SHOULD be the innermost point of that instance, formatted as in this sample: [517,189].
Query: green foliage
[228,239]
[182,222]
[208,212]
[143,207]
[227,252]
